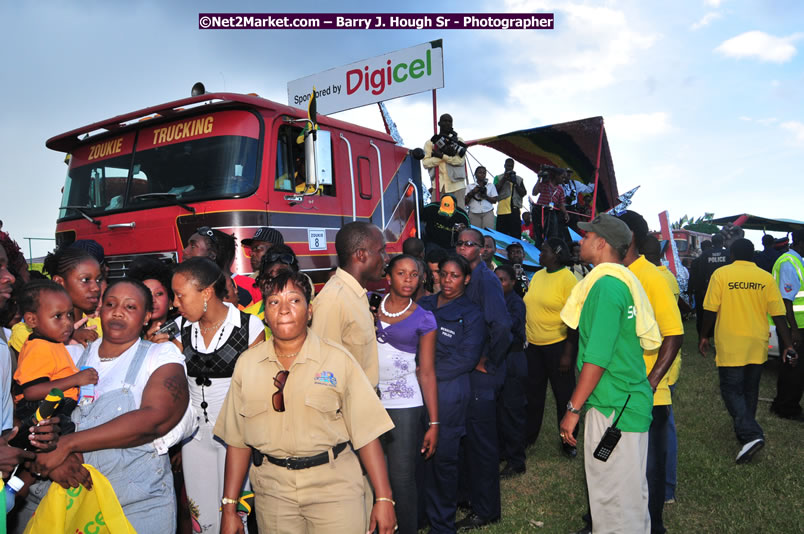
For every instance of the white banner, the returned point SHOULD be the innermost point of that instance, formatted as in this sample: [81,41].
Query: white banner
[401,73]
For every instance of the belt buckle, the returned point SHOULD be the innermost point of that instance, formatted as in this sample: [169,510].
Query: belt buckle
[287,462]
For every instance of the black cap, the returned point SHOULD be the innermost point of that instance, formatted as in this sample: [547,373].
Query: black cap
[267,234]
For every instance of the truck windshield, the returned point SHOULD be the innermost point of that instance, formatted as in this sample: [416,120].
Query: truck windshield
[211,157]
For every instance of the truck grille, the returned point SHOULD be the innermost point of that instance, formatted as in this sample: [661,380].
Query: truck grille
[118,265]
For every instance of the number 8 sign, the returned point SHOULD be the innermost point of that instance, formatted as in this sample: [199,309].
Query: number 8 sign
[317,238]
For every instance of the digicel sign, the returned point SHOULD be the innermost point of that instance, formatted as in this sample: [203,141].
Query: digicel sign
[400,73]
[379,79]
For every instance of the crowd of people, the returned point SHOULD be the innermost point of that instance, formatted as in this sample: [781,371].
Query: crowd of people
[216,402]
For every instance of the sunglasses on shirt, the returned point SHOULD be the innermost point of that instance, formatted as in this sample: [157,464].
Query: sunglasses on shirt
[278,398]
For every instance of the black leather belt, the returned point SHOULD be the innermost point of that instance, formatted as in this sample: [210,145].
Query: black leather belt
[296,462]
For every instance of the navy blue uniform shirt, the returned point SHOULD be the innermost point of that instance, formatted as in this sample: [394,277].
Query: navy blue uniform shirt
[484,289]
[460,335]
[516,310]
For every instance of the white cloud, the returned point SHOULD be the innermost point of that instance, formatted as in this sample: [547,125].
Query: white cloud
[592,48]
[706,20]
[768,121]
[713,3]
[760,45]
[638,126]
[797,129]
[746,119]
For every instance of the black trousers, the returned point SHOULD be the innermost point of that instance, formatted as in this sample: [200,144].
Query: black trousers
[543,362]
[512,412]
[789,388]
[510,224]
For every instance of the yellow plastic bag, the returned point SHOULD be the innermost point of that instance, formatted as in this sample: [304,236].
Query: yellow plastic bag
[80,511]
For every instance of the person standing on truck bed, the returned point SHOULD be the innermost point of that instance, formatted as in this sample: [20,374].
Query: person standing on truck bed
[448,167]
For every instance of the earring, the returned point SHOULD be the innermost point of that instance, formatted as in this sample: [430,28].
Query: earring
[205,306]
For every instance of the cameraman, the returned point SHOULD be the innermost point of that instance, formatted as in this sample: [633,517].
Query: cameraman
[446,164]
[511,190]
[551,198]
[481,200]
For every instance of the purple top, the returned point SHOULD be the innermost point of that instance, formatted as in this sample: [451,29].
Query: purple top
[405,334]
[397,344]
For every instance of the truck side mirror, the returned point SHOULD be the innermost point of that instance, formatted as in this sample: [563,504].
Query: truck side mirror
[318,159]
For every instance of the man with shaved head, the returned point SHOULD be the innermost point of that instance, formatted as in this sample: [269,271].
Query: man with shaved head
[341,311]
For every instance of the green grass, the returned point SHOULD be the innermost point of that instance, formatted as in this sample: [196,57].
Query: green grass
[714,495]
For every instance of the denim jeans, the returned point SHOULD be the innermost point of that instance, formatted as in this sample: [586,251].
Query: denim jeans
[672,453]
[739,387]
[402,445]
[656,470]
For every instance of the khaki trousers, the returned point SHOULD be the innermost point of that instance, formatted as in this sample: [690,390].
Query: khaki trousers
[482,220]
[618,488]
[325,499]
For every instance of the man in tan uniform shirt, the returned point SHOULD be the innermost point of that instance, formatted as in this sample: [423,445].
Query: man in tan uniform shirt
[341,311]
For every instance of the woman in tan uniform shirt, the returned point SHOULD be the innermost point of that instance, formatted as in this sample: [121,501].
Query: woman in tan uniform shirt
[305,477]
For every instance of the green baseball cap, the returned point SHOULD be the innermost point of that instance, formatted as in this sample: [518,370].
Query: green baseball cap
[613,230]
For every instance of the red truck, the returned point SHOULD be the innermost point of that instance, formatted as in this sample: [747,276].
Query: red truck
[142,183]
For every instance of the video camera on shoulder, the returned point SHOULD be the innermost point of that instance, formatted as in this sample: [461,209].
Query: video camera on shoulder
[449,144]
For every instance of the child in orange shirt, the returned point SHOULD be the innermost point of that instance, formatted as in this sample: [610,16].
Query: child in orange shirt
[44,362]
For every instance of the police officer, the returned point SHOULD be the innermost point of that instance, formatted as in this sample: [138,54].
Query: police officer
[703,267]
[481,448]
[788,271]
[301,436]
[459,341]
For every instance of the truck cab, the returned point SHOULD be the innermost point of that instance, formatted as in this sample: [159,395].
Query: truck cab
[143,182]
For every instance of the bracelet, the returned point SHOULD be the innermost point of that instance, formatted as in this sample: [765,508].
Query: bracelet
[431,423]
[226,500]
[385,499]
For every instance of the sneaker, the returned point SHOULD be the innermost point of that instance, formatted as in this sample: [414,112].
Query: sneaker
[748,450]
[671,500]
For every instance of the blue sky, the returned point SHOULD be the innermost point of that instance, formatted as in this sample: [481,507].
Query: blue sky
[703,99]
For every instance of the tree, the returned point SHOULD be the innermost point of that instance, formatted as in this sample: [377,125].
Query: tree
[701,224]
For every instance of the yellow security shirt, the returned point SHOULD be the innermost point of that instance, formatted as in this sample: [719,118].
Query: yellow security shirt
[671,280]
[668,317]
[742,295]
[675,369]
[546,296]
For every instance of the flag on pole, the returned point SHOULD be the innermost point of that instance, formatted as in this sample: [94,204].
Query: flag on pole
[625,201]
[312,115]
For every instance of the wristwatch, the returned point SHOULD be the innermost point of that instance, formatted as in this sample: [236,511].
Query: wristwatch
[572,409]
[226,500]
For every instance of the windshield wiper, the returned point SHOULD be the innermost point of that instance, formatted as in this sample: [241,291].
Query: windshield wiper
[174,196]
[80,209]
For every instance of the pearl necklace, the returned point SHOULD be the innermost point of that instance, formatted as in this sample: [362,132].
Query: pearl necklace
[385,312]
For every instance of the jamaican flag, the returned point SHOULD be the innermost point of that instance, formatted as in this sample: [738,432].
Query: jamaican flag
[312,114]
[578,145]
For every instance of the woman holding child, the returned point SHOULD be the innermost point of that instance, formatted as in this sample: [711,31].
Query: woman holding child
[141,394]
